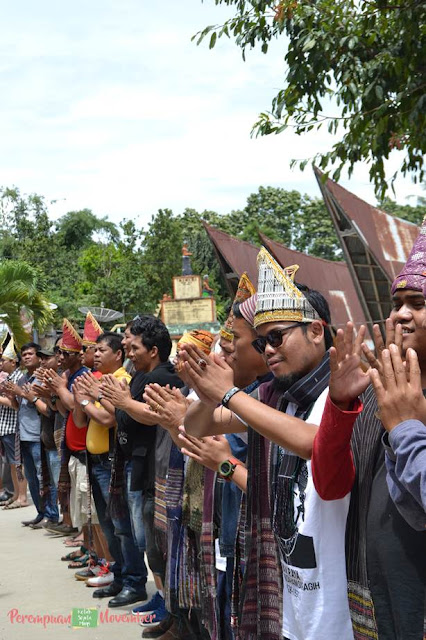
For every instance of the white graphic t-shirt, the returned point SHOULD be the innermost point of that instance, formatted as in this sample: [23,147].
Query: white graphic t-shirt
[315,604]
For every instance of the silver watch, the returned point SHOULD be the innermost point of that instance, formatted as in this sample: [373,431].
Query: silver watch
[84,403]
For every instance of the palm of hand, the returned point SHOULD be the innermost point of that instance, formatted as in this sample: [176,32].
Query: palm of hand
[348,381]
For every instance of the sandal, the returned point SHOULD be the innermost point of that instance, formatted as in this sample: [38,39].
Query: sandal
[73,542]
[74,555]
[7,502]
[80,563]
[16,505]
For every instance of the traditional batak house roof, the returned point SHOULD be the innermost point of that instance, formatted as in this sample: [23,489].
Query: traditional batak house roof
[332,279]
[375,244]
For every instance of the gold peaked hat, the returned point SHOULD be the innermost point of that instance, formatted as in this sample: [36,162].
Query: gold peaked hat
[244,291]
[278,298]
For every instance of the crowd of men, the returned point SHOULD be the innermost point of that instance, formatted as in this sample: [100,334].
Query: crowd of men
[272,477]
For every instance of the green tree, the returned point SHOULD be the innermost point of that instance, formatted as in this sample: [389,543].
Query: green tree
[162,251]
[20,293]
[298,221]
[414,214]
[362,61]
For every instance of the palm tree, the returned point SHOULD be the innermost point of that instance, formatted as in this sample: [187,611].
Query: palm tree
[20,295]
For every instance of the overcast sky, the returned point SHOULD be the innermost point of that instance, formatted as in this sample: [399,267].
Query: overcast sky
[107,104]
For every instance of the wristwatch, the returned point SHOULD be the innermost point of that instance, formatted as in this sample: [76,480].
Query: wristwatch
[84,403]
[99,398]
[228,395]
[35,400]
[227,467]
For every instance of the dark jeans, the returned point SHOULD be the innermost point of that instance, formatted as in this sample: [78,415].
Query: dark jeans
[32,465]
[224,594]
[129,567]
[54,465]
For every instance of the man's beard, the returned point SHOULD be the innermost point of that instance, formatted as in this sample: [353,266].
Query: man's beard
[283,383]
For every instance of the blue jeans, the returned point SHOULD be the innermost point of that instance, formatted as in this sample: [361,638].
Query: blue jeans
[32,465]
[129,568]
[54,464]
[135,503]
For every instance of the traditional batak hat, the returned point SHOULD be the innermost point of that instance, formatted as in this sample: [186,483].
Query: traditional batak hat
[70,340]
[9,352]
[278,298]
[92,330]
[200,338]
[7,338]
[244,291]
[413,275]
[248,309]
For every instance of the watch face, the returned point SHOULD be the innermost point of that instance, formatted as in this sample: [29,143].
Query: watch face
[84,403]
[225,468]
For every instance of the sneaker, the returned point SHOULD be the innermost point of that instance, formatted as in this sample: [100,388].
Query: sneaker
[88,572]
[155,617]
[103,579]
[150,606]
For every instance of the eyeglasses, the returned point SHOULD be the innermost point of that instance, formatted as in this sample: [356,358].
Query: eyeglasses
[65,354]
[274,338]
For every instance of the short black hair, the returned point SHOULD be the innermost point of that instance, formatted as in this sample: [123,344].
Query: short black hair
[320,304]
[129,324]
[153,333]
[236,310]
[113,340]
[30,345]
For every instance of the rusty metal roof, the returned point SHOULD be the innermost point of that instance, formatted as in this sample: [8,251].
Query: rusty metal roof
[332,279]
[235,256]
[376,245]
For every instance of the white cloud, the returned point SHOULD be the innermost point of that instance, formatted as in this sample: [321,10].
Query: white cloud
[109,105]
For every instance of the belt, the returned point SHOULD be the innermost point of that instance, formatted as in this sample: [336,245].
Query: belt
[80,455]
[99,458]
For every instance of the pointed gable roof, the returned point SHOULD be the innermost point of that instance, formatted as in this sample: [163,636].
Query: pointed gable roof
[376,245]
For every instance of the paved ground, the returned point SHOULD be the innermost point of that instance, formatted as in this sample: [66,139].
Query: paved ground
[34,582]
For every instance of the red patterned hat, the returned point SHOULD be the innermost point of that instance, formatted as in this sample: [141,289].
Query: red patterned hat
[70,340]
[92,330]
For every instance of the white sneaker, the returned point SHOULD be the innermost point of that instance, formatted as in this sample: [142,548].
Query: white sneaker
[104,578]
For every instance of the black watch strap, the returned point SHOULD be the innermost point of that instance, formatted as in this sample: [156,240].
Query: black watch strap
[229,394]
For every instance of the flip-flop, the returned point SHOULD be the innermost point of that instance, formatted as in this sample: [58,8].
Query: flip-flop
[7,502]
[72,542]
[16,505]
[74,555]
[81,562]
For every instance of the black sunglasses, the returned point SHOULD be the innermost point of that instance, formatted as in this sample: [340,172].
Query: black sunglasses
[274,338]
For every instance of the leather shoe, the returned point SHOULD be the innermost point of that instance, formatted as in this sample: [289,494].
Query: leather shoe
[127,596]
[173,633]
[36,520]
[42,524]
[106,592]
[158,630]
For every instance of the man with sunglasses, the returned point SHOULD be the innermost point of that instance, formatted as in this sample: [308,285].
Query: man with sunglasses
[301,550]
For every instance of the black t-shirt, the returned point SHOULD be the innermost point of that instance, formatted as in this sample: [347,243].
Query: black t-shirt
[134,438]
[396,561]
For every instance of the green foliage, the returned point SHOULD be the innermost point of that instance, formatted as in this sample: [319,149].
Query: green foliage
[407,212]
[20,293]
[129,269]
[363,61]
[298,221]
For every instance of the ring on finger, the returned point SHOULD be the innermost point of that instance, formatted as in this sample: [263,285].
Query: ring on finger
[202,363]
